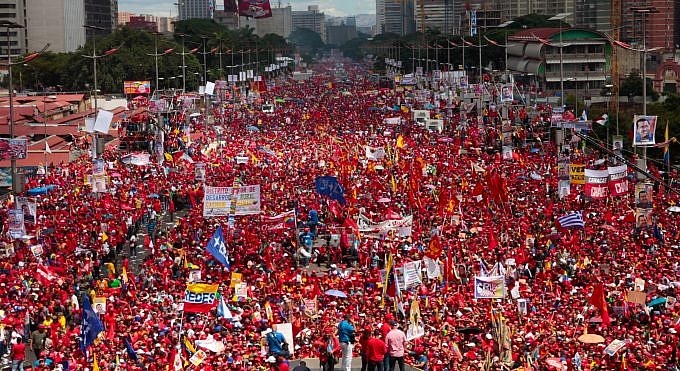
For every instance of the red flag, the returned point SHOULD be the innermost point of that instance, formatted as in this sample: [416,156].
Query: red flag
[255,8]
[111,51]
[453,44]
[213,50]
[598,301]
[192,51]
[168,51]
[493,243]
[435,248]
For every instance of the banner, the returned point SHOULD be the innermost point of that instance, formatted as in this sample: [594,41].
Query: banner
[217,200]
[577,173]
[375,153]
[30,209]
[392,120]
[618,180]
[200,297]
[506,93]
[13,149]
[412,274]
[137,87]
[644,128]
[255,8]
[643,195]
[15,221]
[330,186]
[490,287]
[401,226]
[596,183]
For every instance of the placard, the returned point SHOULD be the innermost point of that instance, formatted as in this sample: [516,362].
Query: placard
[636,297]
[99,305]
[217,200]
[198,357]
[491,287]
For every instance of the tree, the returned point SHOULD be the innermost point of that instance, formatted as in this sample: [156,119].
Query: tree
[306,40]
[631,86]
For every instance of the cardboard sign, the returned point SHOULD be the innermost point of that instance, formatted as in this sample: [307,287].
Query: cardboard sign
[198,357]
[636,297]
[99,305]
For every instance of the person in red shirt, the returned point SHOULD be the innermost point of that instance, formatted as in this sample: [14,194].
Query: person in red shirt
[18,355]
[375,351]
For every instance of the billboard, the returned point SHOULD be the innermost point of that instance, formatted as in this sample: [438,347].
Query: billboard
[644,128]
[136,87]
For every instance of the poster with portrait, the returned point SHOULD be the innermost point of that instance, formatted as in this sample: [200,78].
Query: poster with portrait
[199,169]
[99,305]
[506,93]
[29,208]
[617,143]
[644,128]
[15,221]
[644,218]
[564,188]
[643,195]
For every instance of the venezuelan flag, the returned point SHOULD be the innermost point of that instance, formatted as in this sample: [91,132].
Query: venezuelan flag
[200,297]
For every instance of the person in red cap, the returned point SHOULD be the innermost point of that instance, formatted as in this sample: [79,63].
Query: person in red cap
[328,350]
[363,339]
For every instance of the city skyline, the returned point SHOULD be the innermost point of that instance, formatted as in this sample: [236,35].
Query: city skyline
[333,8]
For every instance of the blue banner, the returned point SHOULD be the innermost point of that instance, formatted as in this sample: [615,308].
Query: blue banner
[329,186]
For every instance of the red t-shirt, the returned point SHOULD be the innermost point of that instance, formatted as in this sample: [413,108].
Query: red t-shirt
[375,349]
[18,352]
[283,366]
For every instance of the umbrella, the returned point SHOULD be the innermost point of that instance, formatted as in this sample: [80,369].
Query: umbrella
[591,339]
[445,140]
[373,108]
[430,186]
[469,330]
[115,175]
[152,195]
[674,209]
[384,200]
[336,293]
[657,302]
[534,150]
[252,128]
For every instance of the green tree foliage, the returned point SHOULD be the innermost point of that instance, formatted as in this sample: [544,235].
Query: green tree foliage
[306,40]
[134,58]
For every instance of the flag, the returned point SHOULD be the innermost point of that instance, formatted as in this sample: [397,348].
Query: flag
[186,344]
[130,350]
[90,325]
[105,237]
[329,186]
[176,360]
[200,297]
[584,116]
[400,141]
[666,152]
[95,364]
[48,150]
[223,311]
[571,220]
[268,311]
[624,364]
[603,120]
[124,275]
[218,249]
[598,301]
[255,8]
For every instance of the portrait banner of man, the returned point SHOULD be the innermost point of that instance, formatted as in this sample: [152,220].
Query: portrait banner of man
[644,128]
[643,195]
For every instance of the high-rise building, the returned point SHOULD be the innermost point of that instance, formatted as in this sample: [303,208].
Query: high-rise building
[437,14]
[511,9]
[57,22]
[657,29]
[280,23]
[124,17]
[395,16]
[593,14]
[165,24]
[196,9]
[103,14]
[13,11]
[311,19]
[339,34]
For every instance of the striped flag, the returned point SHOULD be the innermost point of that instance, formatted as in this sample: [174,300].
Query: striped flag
[571,220]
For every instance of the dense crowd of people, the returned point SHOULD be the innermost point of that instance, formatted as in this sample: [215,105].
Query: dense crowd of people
[474,212]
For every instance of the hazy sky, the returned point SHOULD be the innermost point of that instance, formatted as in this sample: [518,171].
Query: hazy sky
[337,8]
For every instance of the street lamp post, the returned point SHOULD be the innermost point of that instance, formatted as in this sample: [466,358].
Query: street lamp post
[644,11]
[560,17]
[156,54]
[94,58]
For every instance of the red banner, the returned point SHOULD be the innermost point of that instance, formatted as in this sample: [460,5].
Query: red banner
[255,8]
[618,180]
[596,183]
